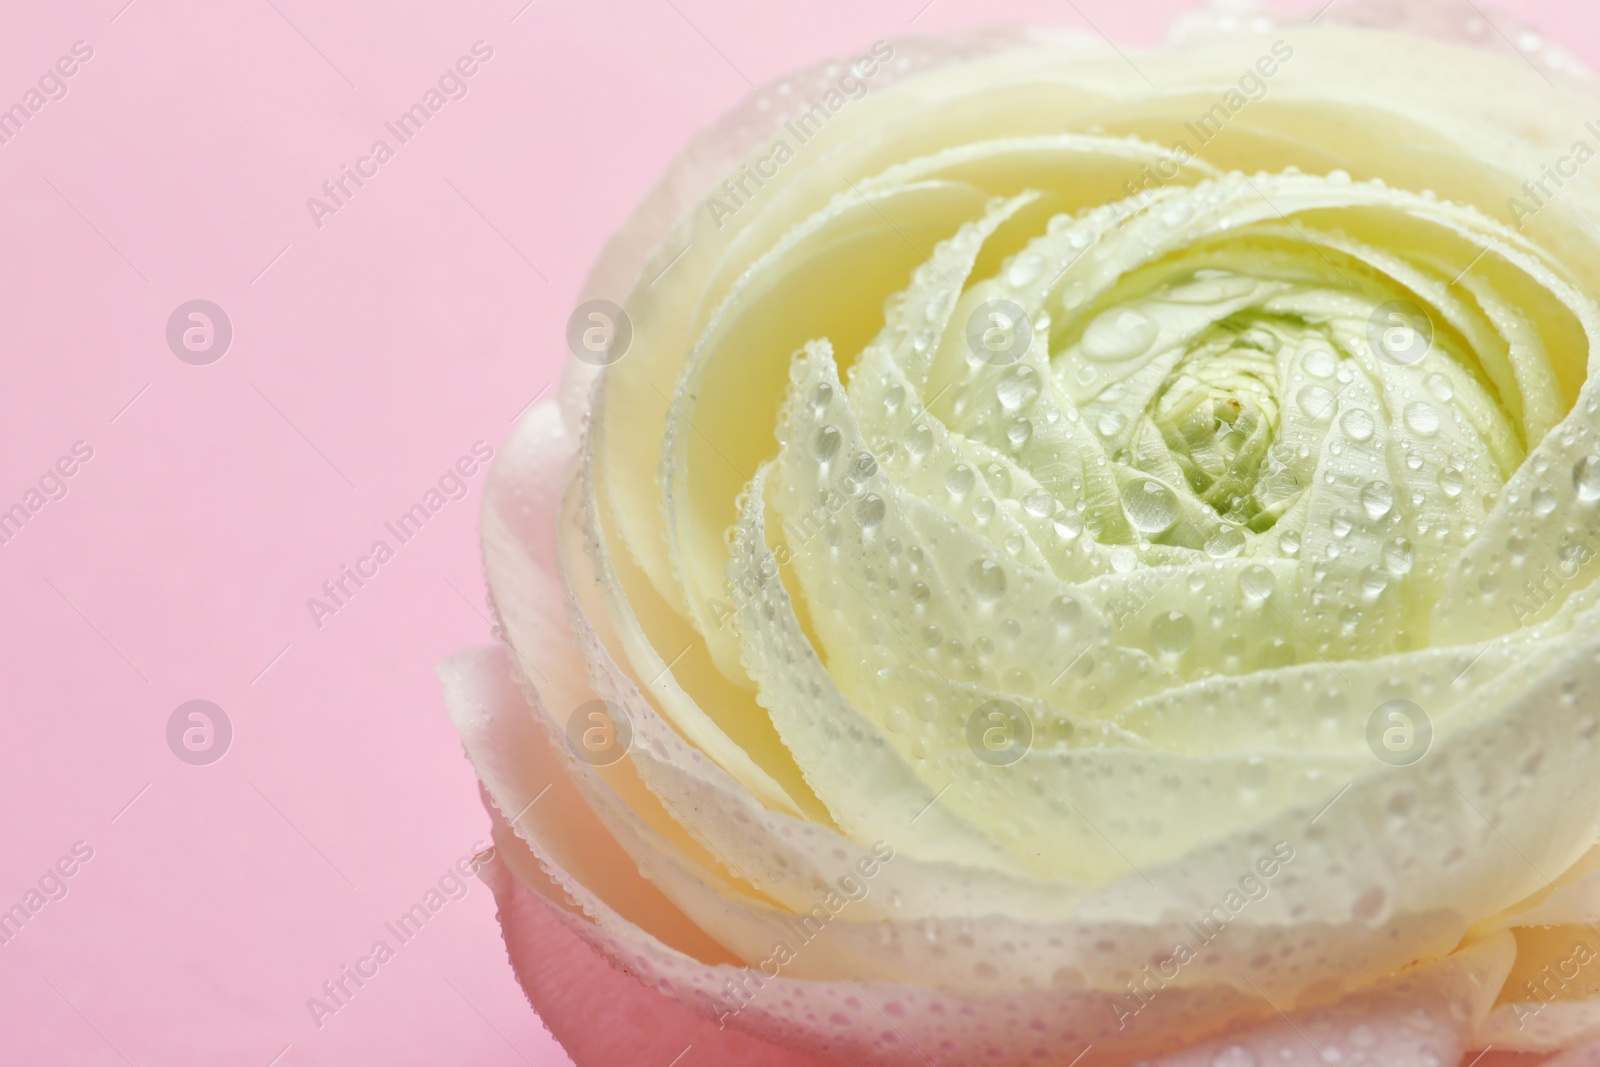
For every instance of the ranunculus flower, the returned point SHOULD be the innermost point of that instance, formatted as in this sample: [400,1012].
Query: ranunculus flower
[1070,554]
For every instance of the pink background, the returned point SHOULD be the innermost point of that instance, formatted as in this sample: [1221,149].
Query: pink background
[367,356]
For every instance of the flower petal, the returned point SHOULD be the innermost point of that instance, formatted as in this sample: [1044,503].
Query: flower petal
[1423,1017]
[601,1015]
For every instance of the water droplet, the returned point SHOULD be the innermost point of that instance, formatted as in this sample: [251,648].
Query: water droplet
[1544,501]
[1373,583]
[1018,387]
[1068,524]
[894,397]
[1256,582]
[826,445]
[1019,432]
[960,480]
[1227,541]
[1111,423]
[987,580]
[1357,424]
[1038,503]
[1586,477]
[1235,1056]
[1377,498]
[1452,482]
[1067,612]
[1120,333]
[1422,418]
[1440,386]
[1399,556]
[1151,507]
[870,511]
[918,441]
[821,397]
[1254,772]
[1024,269]
[1211,287]
[1172,632]
[1320,363]
[1315,401]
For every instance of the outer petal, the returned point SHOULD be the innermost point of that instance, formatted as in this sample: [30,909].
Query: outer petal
[601,1015]
[1423,1017]
[1587,1056]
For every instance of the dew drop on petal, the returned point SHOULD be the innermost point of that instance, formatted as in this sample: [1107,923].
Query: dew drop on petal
[1373,583]
[1422,418]
[870,511]
[1066,612]
[1024,269]
[1321,363]
[1452,482]
[1377,498]
[918,441]
[960,480]
[1235,1056]
[1357,424]
[1254,773]
[826,445]
[1120,333]
[1399,556]
[1544,501]
[1151,507]
[1019,387]
[1586,478]
[1256,582]
[1172,632]
[1038,503]
[1316,401]
[1228,541]
[986,580]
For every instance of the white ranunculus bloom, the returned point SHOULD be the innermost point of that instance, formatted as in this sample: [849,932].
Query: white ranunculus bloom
[1064,550]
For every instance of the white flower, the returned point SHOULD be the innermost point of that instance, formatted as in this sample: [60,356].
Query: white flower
[1071,549]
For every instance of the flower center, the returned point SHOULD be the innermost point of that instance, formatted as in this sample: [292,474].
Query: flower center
[1218,415]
